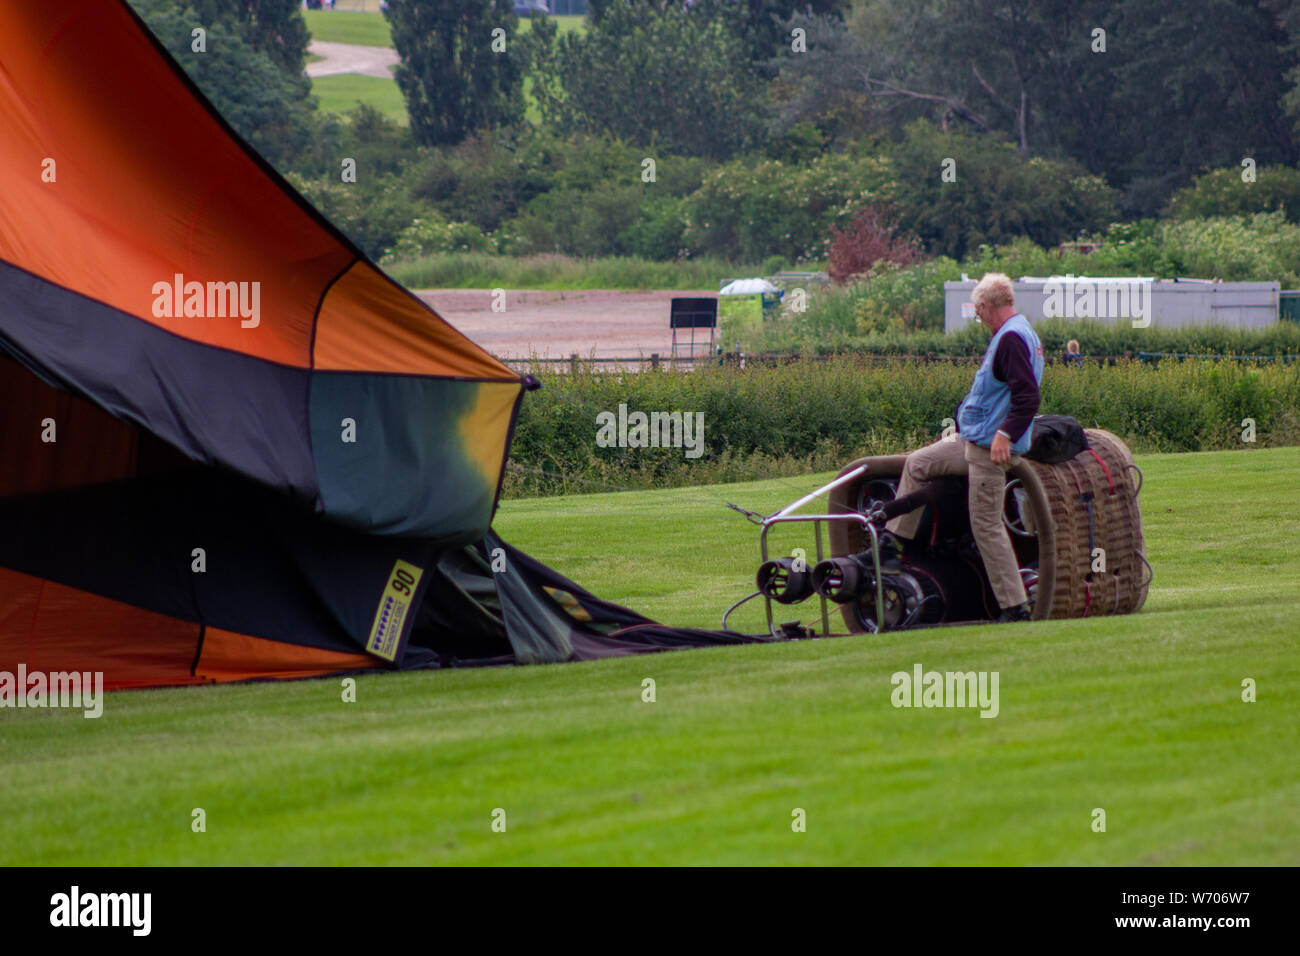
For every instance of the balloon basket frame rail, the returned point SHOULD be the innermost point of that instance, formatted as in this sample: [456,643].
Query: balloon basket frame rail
[787,515]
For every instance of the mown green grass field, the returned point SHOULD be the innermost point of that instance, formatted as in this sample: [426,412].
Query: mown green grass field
[1141,716]
[344,92]
[352,24]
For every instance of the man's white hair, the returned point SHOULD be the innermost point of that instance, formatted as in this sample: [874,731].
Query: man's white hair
[995,289]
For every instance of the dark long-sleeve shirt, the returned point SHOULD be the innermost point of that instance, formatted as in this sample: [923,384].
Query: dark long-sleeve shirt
[1011,365]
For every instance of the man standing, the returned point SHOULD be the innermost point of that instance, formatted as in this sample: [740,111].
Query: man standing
[995,425]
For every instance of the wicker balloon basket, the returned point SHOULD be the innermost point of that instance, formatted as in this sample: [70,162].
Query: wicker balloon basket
[1075,526]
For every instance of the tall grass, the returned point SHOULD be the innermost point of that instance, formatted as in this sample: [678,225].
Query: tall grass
[475,270]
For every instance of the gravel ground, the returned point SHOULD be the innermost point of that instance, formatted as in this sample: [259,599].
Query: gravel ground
[595,323]
[351,58]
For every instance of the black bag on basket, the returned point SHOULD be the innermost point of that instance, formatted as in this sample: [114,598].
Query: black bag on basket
[1057,438]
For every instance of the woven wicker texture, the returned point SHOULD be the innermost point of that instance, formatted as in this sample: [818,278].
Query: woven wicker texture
[1104,478]
[1111,479]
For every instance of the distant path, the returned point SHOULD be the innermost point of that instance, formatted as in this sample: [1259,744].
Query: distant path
[351,58]
[591,322]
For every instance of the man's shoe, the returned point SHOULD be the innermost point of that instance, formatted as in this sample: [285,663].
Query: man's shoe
[891,553]
[1020,612]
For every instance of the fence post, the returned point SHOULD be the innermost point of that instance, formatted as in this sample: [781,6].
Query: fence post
[654,360]
[573,363]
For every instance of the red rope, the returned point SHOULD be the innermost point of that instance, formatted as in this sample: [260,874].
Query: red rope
[1109,479]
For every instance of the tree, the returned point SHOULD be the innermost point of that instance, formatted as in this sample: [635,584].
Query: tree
[461,68]
[273,27]
[984,65]
[994,195]
[761,25]
[1145,93]
[1287,15]
[672,78]
[1201,88]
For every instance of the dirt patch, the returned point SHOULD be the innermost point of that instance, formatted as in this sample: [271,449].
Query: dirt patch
[595,323]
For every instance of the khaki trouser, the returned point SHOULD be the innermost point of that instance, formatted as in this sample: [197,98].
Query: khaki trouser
[987,486]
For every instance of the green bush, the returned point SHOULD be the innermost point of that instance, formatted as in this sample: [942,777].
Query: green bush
[816,415]
[488,178]
[588,198]
[609,218]
[1259,247]
[774,264]
[801,143]
[432,234]
[751,210]
[829,321]
[1223,193]
[373,212]
[376,144]
[658,232]
[997,194]
[909,299]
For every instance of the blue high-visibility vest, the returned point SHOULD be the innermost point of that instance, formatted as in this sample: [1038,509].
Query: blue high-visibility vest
[981,412]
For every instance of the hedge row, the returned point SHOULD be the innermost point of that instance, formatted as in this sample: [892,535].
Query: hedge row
[815,415]
[1094,338]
